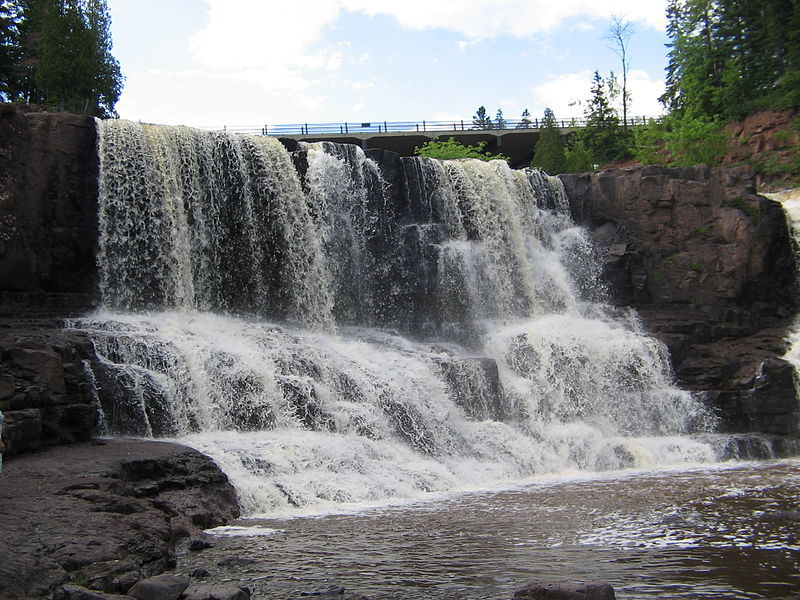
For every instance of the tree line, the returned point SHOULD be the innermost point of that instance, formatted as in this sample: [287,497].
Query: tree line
[57,53]
[726,60]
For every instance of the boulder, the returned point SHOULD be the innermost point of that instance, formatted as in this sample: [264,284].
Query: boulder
[216,592]
[566,591]
[76,592]
[159,587]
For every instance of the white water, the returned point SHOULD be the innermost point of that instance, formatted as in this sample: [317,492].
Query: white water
[332,346]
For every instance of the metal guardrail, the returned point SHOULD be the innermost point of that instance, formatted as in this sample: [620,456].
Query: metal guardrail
[300,129]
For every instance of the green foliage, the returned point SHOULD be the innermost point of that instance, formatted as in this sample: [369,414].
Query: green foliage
[10,51]
[696,267]
[64,56]
[728,59]
[751,210]
[776,165]
[648,143]
[452,149]
[691,141]
[578,158]
[680,142]
[705,230]
[499,121]
[548,154]
[603,136]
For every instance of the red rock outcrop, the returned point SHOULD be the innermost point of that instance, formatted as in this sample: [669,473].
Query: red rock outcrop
[709,266]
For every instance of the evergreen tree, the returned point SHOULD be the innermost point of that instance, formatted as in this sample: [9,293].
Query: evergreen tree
[481,120]
[578,158]
[525,120]
[66,60]
[548,154]
[603,137]
[729,58]
[10,54]
[499,121]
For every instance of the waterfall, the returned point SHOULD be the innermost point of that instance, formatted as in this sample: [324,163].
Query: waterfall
[790,200]
[332,334]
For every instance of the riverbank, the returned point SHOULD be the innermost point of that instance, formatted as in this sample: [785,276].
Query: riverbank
[103,514]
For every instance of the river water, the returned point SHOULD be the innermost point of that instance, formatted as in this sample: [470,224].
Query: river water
[727,530]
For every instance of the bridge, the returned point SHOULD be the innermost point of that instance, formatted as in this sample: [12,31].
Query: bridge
[515,138]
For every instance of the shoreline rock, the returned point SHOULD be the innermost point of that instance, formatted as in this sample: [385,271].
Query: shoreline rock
[103,513]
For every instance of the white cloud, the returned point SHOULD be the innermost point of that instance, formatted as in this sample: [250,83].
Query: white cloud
[245,39]
[477,20]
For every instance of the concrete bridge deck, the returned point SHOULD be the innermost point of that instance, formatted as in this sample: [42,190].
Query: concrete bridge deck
[515,139]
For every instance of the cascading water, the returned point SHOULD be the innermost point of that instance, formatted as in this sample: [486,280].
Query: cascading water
[331,338]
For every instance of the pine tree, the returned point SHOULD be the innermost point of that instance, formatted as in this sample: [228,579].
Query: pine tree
[729,58]
[525,120]
[481,120]
[66,60]
[10,54]
[548,154]
[499,121]
[603,136]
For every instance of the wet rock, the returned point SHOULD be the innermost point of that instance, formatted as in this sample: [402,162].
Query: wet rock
[565,591]
[160,587]
[199,573]
[236,561]
[201,543]
[334,592]
[76,592]
[216,592]
[85,497]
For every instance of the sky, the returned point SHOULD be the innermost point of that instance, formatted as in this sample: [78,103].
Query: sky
[249,63]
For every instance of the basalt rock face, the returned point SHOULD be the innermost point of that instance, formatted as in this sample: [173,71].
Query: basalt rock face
[709,266]
[45,394]
[48,212]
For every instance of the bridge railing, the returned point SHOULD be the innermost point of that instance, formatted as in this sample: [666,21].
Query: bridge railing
[366,127]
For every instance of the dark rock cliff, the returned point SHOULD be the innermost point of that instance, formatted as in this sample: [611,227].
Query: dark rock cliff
[48,212]
[709,266]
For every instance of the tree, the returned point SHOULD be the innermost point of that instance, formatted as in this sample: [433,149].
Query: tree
[620,34]
[65,56]
[548,154]
[525,120]
[578,157]
[603,137]
[730,58]
[452,149]
[481,120]
[10,55]
[499,121]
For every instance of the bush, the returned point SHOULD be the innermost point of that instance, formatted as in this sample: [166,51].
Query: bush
[681,142]
[452,149]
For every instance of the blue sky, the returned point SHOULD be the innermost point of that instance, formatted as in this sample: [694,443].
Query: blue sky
[250,63]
